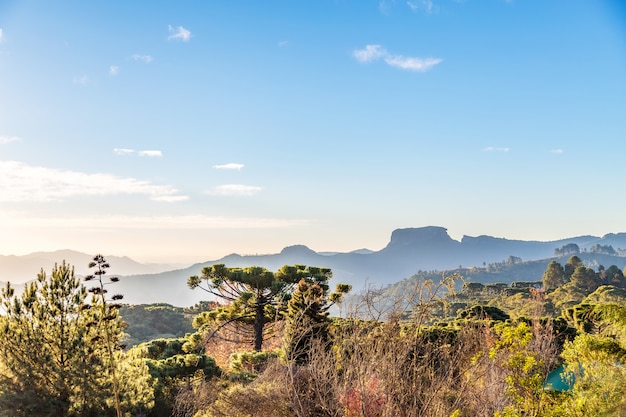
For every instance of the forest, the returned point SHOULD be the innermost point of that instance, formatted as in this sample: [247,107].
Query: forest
[287,343]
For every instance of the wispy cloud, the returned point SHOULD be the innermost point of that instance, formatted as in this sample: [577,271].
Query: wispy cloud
[23,182]
[81,80]
[229,166]
[282,44]
[557,151]
[1,34]
[376,52]
[123,151]
[142,58]
[369,53]
[235,190]
[114,70]
[495,149]
[412,64]
[127,151]
[150,153]
[8,139]
[179,33]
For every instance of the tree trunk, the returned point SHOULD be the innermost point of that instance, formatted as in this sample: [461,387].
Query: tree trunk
[259,324]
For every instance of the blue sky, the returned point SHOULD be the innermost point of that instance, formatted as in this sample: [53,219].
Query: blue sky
[184,131]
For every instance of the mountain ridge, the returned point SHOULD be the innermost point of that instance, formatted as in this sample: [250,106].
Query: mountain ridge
[409,251]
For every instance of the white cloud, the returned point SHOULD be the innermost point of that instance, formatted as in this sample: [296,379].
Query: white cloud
[282,44]
[123,151]
[179,33]
[1,35]
[412,64]
[557,151]
[22,182]
[229,166]
[150,153]
[126,151]
[8,139]
[235,190]
[375,52]
[143,58]
[494,149]
[369,53]
[114,70]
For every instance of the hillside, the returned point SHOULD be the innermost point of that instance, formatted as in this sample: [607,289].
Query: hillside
[408,252]
[19,269]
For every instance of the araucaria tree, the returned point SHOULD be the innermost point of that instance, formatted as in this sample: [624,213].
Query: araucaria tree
[255,295]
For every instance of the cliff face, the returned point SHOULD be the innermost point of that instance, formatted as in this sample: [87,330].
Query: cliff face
[420,238]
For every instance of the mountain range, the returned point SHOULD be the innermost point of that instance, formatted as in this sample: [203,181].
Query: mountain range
[409,250]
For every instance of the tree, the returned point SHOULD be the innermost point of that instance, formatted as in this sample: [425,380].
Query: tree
[472,288]
[41,349]
[173,363]
[570,248]
[604,249]
[595,360]
[570,266]
[307,312]
[614,276]
[585,278]
[553,277]
[52,359]
[254,293]
[518,351]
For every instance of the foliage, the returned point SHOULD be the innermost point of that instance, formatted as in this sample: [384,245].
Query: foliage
[53,361]
[253,294]
[154,321]
[253,362]
[596,360]
[606,294]
[484,312]
[265,397]
[525,371]
[256,295]
[307,313]
[553,277]
[173,363]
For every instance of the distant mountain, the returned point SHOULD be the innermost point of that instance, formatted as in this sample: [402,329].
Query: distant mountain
[408,252]
[19,269]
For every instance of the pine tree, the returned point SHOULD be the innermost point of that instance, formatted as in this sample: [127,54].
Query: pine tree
[42,339]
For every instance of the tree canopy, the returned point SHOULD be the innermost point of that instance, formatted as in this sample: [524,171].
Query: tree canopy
[255,294]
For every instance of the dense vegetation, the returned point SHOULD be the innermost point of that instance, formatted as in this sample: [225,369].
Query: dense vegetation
[433,345]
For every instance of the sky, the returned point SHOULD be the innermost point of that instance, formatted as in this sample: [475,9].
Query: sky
[185,131]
